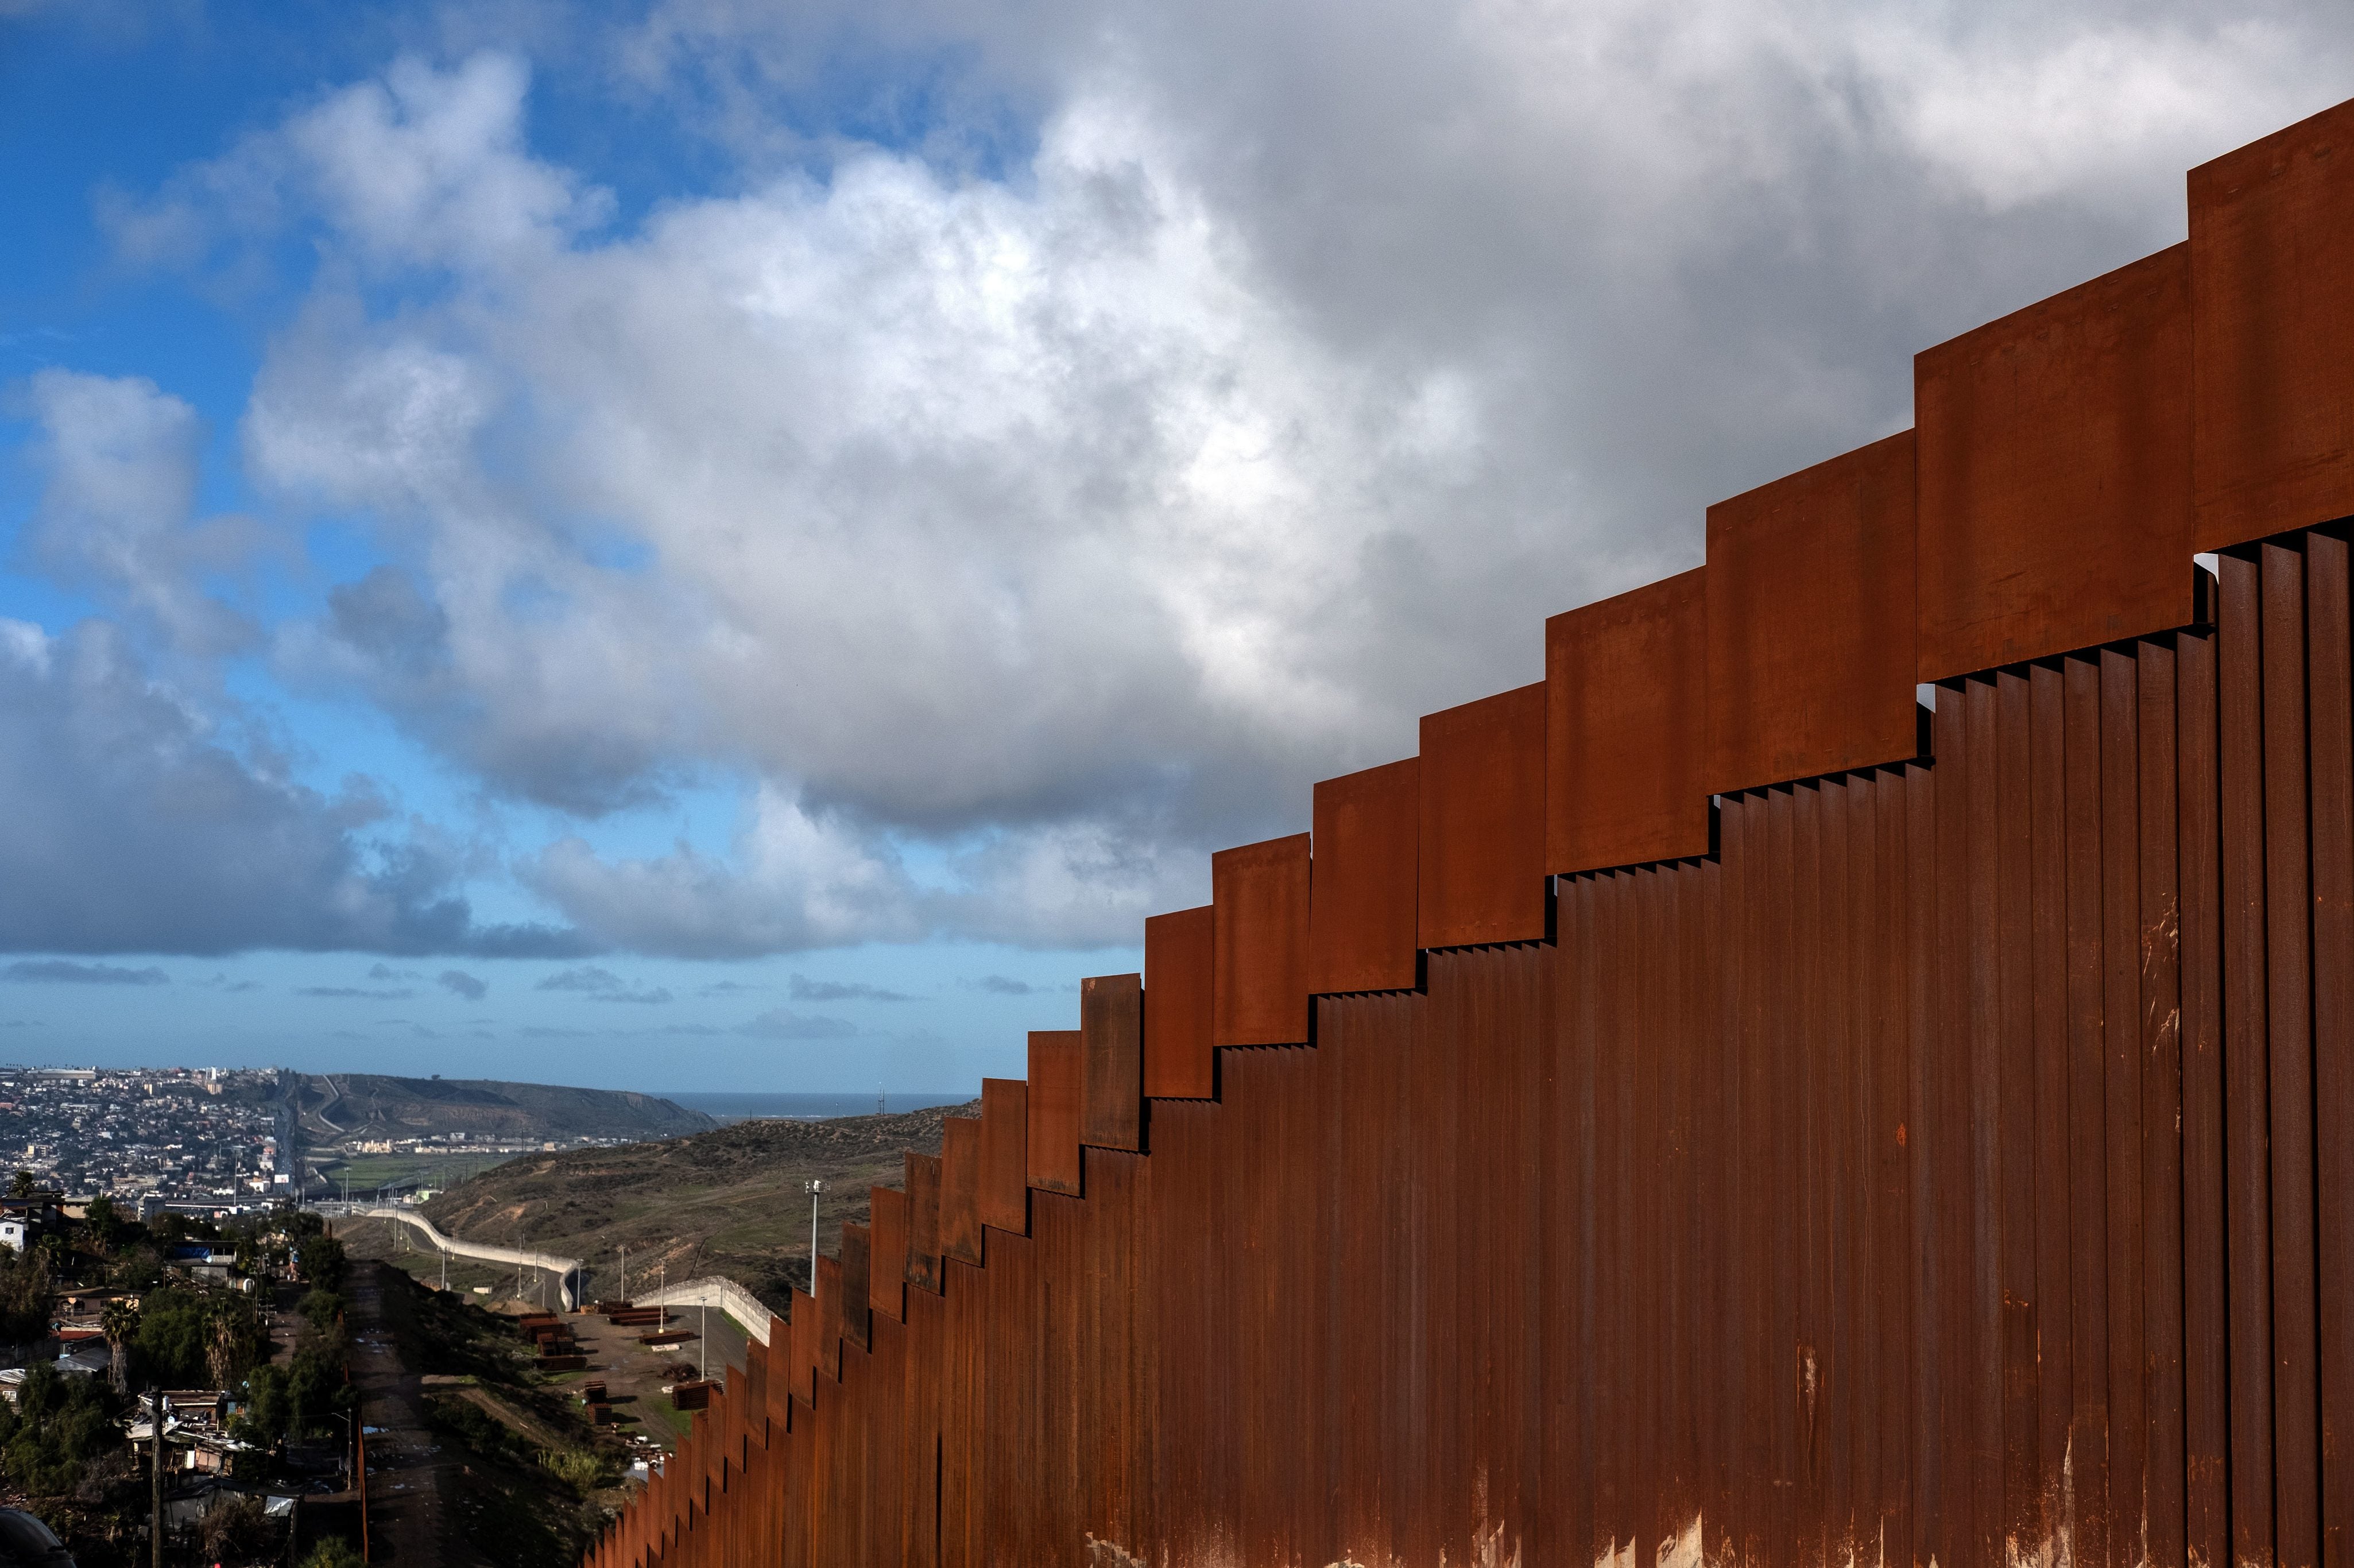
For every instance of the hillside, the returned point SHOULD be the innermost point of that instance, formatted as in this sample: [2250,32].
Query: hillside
[342,1108]
[726,1201]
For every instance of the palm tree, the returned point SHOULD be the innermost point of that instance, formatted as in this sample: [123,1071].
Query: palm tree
[119,1322]
[221,1348]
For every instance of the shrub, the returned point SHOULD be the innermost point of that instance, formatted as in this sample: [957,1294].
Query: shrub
[237,1528]
[582,1470]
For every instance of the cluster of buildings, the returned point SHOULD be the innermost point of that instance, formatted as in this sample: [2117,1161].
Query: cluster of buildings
[199,1139]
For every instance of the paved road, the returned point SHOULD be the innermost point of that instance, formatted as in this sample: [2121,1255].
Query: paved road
[412,1522]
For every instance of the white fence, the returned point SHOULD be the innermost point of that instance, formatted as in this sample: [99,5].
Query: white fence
[726,1294]
[566,1269]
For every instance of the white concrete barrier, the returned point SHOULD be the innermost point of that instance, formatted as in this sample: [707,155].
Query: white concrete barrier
[713,1290]
[566,1269]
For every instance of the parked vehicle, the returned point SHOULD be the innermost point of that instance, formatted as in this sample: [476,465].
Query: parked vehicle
[26,1542]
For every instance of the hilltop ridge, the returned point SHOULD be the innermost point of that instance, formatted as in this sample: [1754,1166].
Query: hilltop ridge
[342,1107]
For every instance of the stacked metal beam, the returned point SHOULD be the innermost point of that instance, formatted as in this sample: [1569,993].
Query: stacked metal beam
[1706,1107]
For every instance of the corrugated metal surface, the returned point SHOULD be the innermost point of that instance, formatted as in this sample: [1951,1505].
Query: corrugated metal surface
[1949,1165]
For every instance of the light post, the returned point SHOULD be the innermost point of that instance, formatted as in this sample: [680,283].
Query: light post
[815,1186]
[155,1480]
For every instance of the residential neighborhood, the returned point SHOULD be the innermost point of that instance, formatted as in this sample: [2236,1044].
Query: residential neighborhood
[197,1141]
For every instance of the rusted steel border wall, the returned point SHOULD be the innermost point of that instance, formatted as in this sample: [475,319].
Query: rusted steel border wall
[1937,1149]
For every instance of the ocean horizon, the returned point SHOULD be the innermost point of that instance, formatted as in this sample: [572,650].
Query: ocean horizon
[742,1106]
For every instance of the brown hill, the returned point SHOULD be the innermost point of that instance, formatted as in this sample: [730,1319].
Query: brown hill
[726,1201]
[333,1107]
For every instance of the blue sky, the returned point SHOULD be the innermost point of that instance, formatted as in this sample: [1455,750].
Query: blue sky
[708,544]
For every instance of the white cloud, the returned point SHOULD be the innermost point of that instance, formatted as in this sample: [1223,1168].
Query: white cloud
[118,456]
[130,823]
[1047,525]
[796,881]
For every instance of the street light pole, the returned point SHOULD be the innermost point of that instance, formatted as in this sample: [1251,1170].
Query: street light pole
[815,1186]
[155,1509]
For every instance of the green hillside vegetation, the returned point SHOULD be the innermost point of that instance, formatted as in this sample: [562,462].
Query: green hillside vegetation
[727,1202]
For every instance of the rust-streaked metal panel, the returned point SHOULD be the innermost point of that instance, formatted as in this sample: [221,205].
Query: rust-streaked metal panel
[2055,473]
[1810,608]
[1259,972]
[2271,291]
[1481,871]
[961,1188]
[1111,1050]
[2239,743]
[887,1287]
[857,1284]
[1004,1196]
[806,1318]
[923,1179]
[1362,902]
[1053,1153]
[2329,650]
[2289,911]
[1627,727]
[829,1325]
[1178,1059]
[2206,1314]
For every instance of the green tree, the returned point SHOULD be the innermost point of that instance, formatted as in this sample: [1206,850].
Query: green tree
[22,1187]
[332,1554]
[169,1345]
[107,1226]
[118,1323]
[291,1401]
[27,1279]
[56,1427]
[234,1341]
[322,1259]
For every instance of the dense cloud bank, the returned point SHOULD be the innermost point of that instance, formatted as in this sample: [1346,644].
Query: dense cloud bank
[1028,483]
[129,825]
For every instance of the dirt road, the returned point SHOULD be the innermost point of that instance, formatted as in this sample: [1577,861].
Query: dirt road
[411,1486]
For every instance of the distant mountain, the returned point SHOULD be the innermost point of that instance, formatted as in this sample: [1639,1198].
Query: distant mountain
[340,1108]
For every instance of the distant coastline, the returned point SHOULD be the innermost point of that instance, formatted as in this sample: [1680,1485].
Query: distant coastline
[735,1106]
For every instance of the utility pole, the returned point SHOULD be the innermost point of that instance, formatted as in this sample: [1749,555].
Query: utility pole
[156,1499]
[815,1186]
